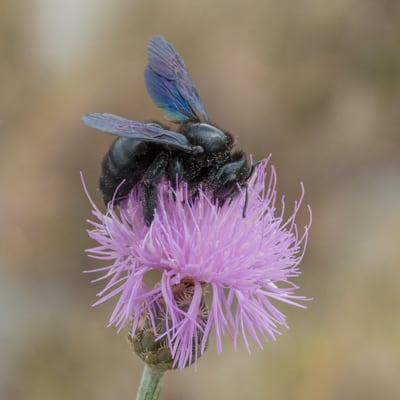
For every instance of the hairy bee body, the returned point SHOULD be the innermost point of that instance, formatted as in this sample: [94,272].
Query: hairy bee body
[129,162]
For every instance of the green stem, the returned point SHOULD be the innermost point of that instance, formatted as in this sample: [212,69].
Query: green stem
[150,384]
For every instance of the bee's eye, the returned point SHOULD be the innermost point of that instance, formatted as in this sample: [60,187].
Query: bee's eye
[230,174]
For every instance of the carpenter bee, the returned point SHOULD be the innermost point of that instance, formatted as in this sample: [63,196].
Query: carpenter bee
[197,153]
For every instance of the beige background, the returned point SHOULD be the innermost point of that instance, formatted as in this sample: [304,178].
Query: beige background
[314,82]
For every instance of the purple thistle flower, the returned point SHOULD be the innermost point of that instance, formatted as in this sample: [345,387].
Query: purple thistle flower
[246,264]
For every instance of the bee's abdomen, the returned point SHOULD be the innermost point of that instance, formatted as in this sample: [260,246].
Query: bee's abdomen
[126,160]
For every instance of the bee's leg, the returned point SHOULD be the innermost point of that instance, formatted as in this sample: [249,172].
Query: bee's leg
[151,178]
[175,171]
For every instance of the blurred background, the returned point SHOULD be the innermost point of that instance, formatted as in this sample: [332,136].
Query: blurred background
[314,82]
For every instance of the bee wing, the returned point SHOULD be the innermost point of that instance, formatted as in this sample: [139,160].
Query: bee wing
[169,84]
[136,130]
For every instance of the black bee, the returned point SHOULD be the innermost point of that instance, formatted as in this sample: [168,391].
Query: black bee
[145,153]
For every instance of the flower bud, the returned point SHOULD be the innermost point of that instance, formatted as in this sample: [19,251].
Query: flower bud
[152,339]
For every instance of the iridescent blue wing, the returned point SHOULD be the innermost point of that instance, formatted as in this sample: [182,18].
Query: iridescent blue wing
[136,130]
[169,84]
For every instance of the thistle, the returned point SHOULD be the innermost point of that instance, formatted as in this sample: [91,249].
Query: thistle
[197,246]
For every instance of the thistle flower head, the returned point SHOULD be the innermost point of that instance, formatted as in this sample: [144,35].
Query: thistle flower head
[238,268]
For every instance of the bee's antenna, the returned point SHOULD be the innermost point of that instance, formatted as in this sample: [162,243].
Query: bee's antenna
[246,196]
[246,200]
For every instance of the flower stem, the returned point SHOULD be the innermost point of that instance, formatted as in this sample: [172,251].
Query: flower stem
[150,384]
